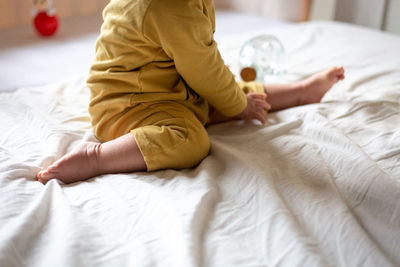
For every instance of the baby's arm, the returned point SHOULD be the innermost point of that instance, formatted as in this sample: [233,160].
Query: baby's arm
[184,32]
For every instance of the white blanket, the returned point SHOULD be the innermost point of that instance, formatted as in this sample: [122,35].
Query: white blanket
[318,186]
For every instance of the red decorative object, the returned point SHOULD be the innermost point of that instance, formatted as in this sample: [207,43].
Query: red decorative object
[45,20]
[45,24]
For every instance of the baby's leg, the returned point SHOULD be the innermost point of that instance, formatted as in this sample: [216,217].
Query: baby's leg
[92,159]
[308,91]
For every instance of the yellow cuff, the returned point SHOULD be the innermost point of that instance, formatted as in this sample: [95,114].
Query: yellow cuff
[251,87]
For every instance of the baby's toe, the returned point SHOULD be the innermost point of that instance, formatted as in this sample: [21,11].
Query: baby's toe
[45,175]
[335,74]
[339,71]
[43,181]
[40,175]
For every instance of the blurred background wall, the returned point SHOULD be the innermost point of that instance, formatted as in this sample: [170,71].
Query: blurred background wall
[280,9]
[378,14]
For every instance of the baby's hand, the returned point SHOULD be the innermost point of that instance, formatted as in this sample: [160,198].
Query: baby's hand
[256,108]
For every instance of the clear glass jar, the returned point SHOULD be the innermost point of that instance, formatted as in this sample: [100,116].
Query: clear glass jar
[261,57]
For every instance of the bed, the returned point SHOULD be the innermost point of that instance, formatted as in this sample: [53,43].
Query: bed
[319,185]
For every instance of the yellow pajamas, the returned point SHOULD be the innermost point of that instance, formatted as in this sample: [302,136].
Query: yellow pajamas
[157,72]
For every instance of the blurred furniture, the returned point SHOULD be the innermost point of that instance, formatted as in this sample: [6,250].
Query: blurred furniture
[378,14]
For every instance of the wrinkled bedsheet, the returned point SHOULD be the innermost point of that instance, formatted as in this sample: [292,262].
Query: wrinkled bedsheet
[319,185]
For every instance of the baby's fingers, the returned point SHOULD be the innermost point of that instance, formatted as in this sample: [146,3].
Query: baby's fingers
[262,104]
[266,106]
[258,96]
[261,116]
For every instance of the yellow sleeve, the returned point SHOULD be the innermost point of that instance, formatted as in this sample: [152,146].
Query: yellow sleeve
[184,31]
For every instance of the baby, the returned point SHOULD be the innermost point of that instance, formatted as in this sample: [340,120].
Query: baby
[157,81]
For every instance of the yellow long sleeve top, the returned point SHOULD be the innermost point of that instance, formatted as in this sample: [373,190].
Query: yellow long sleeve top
[160,50]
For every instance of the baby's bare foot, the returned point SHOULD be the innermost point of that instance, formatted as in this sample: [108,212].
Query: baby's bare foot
[315,87]
[78,165]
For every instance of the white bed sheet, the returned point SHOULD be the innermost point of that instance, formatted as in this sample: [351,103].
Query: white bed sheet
[318,186]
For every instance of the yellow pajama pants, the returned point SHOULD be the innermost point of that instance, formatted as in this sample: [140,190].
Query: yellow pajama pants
[169,134]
